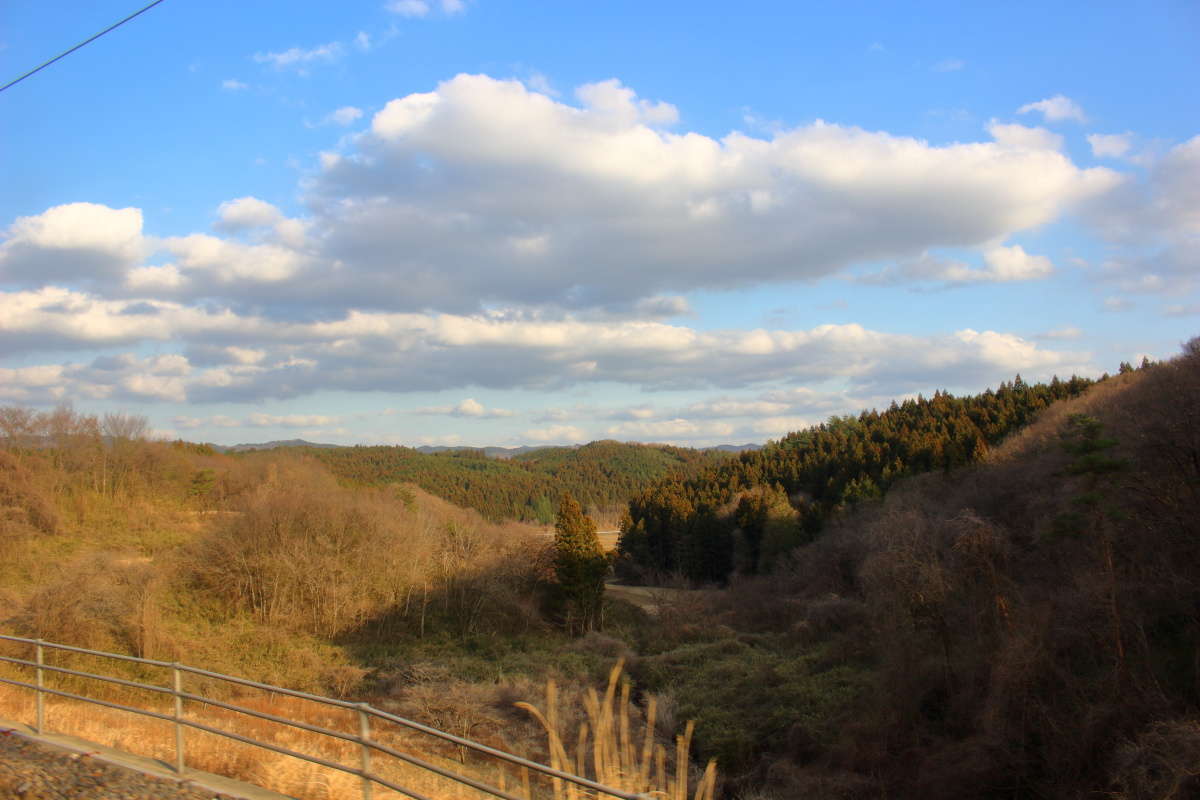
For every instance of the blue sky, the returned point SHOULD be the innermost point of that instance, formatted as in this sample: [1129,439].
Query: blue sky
[473,222]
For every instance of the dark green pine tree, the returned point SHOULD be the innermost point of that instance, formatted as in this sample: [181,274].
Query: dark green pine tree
[580,566]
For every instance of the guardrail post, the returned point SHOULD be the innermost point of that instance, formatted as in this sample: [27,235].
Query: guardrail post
[364,736]
[177,689]
[41,703]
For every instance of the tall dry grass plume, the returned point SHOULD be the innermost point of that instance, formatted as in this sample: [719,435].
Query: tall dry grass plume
[607,743]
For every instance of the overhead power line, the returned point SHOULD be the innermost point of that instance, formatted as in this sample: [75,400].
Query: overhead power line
[66,53]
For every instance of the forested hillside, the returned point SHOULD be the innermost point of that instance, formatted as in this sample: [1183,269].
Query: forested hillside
[601,475]
[747,512]
[1025,626]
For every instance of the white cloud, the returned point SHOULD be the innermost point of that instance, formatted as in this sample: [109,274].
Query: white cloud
[221,261]
[1182,310]
[613,209]
[1005,264]
[677,429]
[1117,304]
[731,407]
[217,421]
[949,65]
[454,6]
[469,408]
[408,8]
[31,384]
[557,434]
[442,352]
[1056,109]
[609,100]
[662,306]
[345,115]
[1154,225]
[300,58]
[256,421]
[539,83]
[290,421]
[778,427]
[234,85]
[246,212]
[445,440]
[246,355]
[74,241]
[1110,145]
[1066,333]
[362,40]
[1001,264]
[613,214]
[1024,138]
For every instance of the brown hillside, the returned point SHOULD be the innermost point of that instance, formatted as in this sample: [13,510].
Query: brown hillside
[1025,627]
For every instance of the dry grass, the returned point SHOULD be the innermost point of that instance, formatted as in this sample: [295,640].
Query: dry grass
[153,738]
[615,745]
[618,755]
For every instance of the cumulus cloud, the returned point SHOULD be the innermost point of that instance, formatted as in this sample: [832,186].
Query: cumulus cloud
[246,212]
[1001,264]
[1056,109]
[234,85]
[1023,137]
[1154,225]
[72,242]
[364,351]
[483,235]
[611,208]
[1110,145]
[620,104]
[483,194]
[469,408]
[670,429]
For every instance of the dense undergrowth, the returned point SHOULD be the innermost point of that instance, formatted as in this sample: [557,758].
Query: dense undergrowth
[1024,627]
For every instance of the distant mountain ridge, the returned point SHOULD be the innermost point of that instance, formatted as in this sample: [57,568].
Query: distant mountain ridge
[272,445]
[491,451]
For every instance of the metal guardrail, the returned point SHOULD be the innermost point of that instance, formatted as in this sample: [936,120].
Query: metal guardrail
[363,738]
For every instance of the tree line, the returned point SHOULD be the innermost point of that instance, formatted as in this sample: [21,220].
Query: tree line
[602,476]
[744,514]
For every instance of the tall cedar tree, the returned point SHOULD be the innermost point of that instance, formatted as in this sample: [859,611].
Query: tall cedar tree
[580,566]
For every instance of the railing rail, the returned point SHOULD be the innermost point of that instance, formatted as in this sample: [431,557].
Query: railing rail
[364,712]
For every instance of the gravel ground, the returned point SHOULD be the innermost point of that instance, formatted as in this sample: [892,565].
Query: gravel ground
[33,771]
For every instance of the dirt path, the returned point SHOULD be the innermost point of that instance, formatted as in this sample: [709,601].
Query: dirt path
[33,771]
[648,598]
[45,770]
